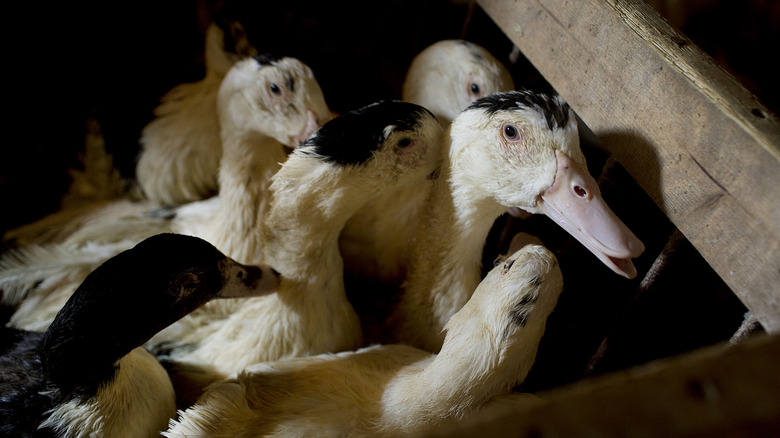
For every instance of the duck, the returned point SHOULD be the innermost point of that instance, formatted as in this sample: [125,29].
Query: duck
[180,148]
[349,160]
[256,122]
[511,149]
[88,374]
[445,78]
[263,105]
[395,389]
[449,75]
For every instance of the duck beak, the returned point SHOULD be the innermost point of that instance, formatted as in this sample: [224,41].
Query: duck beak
[312,125]
[574,202]
[248,280]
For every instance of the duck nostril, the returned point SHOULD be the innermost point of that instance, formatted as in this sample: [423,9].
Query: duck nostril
[580,191]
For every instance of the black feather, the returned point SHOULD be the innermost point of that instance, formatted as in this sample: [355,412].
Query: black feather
[117,308]
[555,111]
[353,137]
[148,281]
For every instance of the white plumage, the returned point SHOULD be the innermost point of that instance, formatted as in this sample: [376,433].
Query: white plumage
[256,122]
[510,149]
[445,78]
[263,105]
[449,75]
[394,390]
[346,163]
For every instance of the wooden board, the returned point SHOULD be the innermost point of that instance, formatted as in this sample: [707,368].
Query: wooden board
[723,391]
[702,146]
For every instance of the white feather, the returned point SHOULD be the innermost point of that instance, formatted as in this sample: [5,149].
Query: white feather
[377,241]
[395,390]
[138,403]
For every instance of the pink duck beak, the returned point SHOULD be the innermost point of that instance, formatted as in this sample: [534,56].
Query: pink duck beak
[312,125]
[574,202]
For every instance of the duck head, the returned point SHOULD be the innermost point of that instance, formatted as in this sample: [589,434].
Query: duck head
[522,150]
[389,143]
[279,98]
[449,75]
[135,294]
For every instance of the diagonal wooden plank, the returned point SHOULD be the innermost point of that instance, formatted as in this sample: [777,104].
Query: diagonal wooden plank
[718,391]
[702,146]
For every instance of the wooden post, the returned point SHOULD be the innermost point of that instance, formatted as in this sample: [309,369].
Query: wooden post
[723,391]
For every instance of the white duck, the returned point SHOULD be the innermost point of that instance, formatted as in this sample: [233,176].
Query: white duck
[348,161]
[445,78]
[263,104]
[394,390]
[88,375]
[513,149]
[449,75]
[180,149]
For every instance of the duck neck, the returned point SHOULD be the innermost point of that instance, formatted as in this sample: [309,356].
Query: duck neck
[83,347]
[447,259]
[248,162]
[310,204]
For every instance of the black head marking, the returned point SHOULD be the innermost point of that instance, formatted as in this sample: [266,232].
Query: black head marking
[522,310]
[507,266]
[474,51]
[353,137]
[290,82]
[124,302]
[555,111]
[265,59]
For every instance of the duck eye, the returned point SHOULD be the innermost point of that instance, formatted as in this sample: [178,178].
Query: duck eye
[240,275]
[475,89]
[404,142]
[275,89]
[511,133]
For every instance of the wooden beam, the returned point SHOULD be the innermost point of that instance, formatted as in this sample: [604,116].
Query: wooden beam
[702,146]
[723,391]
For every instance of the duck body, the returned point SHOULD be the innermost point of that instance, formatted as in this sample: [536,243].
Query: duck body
[88,375]
[253,149]
[181,147]
[445,78]
[40,409]
[394,390]
[512,149]
[322,183]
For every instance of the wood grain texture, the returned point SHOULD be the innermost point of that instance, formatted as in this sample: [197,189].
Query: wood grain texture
[702,146]
[723,391]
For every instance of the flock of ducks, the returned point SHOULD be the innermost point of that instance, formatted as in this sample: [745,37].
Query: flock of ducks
[257,194]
